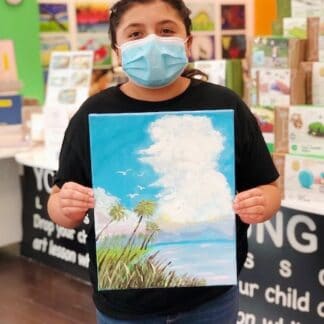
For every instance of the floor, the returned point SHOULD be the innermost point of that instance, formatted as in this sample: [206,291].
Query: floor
[32,293]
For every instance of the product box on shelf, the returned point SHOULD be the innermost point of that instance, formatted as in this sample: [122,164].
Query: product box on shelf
[295,27]
[277,87]
[10,109]
[306,130]
[283,8]
[318,83]
[321,40]
[313,37]
[265,118]
[281,129]
[300,130]
[304,179]
[306,8]
[277,52]
[307,70]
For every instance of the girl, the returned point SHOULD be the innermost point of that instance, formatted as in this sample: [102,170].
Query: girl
[152,41]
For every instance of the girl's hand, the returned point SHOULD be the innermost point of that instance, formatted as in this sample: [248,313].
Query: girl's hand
[250,205]
[75,200]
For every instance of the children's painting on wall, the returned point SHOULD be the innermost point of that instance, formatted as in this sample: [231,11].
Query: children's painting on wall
[233,46]
[202,15]
[53,17]
[164,185]
[233,17]
[53,43]
[99,44]
[203,48]
[92,16]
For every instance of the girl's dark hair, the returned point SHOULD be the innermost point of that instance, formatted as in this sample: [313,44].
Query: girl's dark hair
[120,7]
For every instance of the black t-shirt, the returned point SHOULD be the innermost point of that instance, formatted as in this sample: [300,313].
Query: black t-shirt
[253,167]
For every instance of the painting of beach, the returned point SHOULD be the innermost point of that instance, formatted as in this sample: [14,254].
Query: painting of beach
[164,185]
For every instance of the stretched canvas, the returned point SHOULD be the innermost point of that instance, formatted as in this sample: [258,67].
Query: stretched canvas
[164,185]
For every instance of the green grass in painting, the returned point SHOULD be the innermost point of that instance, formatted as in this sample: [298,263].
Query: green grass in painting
[136,269]
[126,262]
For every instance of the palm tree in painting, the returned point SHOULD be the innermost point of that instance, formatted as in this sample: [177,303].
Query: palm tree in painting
[116,213]
[144,209]
[151,229]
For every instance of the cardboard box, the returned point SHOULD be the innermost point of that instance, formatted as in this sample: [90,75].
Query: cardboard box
[295,27]
[283,8]
[10,109]
[278,87]
[313,34]
[277,52]
[307,68]
[318,83]
[304,178]
[265,118]
[306,130]
[300,130]
[281,129]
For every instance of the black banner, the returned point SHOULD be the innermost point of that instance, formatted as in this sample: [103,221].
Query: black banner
[43,240]
[283,278]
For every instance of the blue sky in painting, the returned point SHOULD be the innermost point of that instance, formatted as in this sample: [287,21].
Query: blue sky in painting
[117,139]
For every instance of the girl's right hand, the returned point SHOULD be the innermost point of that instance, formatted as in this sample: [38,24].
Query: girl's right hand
[75,200]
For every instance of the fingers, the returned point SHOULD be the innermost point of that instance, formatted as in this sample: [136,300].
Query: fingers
[250,206]
[76,199]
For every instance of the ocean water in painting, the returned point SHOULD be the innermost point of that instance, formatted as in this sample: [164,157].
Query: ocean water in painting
[164,185]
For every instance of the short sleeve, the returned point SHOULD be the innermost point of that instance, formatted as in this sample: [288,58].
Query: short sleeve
[74,160]
[254,164]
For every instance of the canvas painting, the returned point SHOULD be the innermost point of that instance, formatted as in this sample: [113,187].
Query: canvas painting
[99,44]
[92,16]
[233,17]
[202,15]
[203,48]
[233,46]
[53,17]
[164,185]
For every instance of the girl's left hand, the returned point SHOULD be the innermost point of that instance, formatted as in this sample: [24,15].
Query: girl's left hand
[250,205]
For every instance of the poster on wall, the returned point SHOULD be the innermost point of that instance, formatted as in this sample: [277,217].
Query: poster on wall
[153,221]
[283,278]
[53,17]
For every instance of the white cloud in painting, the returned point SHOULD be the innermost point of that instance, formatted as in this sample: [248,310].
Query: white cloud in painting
[104,202]
[184,154]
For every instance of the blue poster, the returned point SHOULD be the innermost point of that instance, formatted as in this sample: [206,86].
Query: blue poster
[164,185]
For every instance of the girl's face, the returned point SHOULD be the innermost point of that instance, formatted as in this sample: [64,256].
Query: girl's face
[152,18]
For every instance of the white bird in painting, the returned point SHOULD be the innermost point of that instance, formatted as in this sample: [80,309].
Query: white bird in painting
[132,196]
[140,187]
[124,172]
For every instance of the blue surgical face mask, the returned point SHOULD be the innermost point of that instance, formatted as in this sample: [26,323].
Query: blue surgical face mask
[153,61]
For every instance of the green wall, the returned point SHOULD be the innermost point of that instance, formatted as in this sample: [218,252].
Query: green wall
[21,24]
